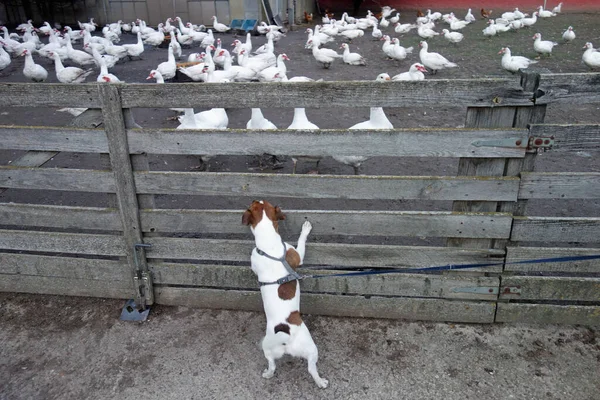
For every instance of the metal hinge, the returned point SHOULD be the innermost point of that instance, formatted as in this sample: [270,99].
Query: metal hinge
[510,142]
[516,290]
[539,143]
[476,290]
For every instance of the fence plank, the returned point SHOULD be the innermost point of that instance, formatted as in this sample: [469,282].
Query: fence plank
[484,91]
[405,285]
[570,138]
[548,314]
[53,139]
[60,217]
[551,288]
[54,242]
[57,179]
[63,267]
[393,143]
[573,88]
[347,255]
[550,229]
[336,305]
[364,223]
[54,95]
[532,253]
[560,185]
[65,286]
[327,186]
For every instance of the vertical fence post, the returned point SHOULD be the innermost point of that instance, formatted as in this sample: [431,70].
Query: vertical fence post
[121,163]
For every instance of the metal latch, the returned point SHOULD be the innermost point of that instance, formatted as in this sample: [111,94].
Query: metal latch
[137,309]
[509,142]
[476,290]
[537,143]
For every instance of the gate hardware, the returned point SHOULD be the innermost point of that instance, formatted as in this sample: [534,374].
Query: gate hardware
[539,142]
[510,142]
[138,309]
[512,290]
[476,290]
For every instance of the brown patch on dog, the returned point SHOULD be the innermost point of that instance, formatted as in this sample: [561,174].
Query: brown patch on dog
[282,328]
[294,318]
[293,258]
[287,291]
[254,214]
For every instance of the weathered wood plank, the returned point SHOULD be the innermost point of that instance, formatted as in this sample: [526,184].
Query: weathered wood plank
[550,288]
[53,139]
[575,88]
[484,91]
[326,186]
[365,223]
[57,179]
[560,185]
[335,305]
[348,255]
[532,253]
[106,219]
[65,286]
[393,143]
[548,314]
[550,229]
[570,138]
[53,95]
[405,285]
[32,159]
[54,242]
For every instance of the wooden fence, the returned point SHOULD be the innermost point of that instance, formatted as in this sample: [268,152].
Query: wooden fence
[200,257]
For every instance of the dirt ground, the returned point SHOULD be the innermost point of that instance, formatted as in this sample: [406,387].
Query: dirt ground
[76,348]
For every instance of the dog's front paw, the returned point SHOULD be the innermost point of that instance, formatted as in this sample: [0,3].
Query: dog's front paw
[322,383]
[306,227]
[268,374]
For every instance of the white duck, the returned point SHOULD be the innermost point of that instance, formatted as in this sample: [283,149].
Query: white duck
[80,57]
[591,56]
[352,34]
[242,74]
[545,13]
[456,24]
[257,63]
[323,56]
[104,75]
[387,45]
[183,38]
[88,26]
[470,17]
[558,8]
[416,72]
[490,30]
[300,121]
[154,74]
[514,63]
[398,52]
[377,120]
[136,49]
[376,33]
[109,60]
[453,37]
[169,67]
[176,46]
[426,32]
[4,57]
[46,29]
[69,74]
[267,74]
[195,72]
[258,121]
[208,40]
[31,70]
[155,38]
[219,27]
[433,61]
[529,21]
[569,34]
[403,28]
[215,118]
[114,50]
[384,23]
[542,46]
[351,58]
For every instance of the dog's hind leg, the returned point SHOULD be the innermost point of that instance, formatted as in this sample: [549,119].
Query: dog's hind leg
[313,357]
[274,349]
[301,247]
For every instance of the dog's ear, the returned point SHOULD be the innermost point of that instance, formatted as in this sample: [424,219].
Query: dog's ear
[247,217]
[279,215]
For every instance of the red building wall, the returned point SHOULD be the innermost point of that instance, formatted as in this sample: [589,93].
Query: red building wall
[457,5]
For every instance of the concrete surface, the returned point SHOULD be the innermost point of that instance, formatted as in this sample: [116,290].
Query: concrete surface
[76,348]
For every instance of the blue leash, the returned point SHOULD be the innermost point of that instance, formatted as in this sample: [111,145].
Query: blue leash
[456,267]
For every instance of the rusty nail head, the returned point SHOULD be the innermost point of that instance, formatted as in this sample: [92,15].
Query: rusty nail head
[538,142]
[518,143]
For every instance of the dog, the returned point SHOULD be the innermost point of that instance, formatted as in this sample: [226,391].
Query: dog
[280,289]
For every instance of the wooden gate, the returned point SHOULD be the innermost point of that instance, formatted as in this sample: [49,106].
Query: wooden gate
[199,257]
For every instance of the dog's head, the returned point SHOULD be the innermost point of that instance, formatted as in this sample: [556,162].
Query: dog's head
[260,210]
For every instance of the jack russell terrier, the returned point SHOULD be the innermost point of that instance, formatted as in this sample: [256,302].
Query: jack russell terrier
[274,263]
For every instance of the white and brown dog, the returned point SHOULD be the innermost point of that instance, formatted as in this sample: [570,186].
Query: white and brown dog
[286,333]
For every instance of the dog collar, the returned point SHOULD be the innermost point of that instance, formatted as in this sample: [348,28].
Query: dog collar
[291,276]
